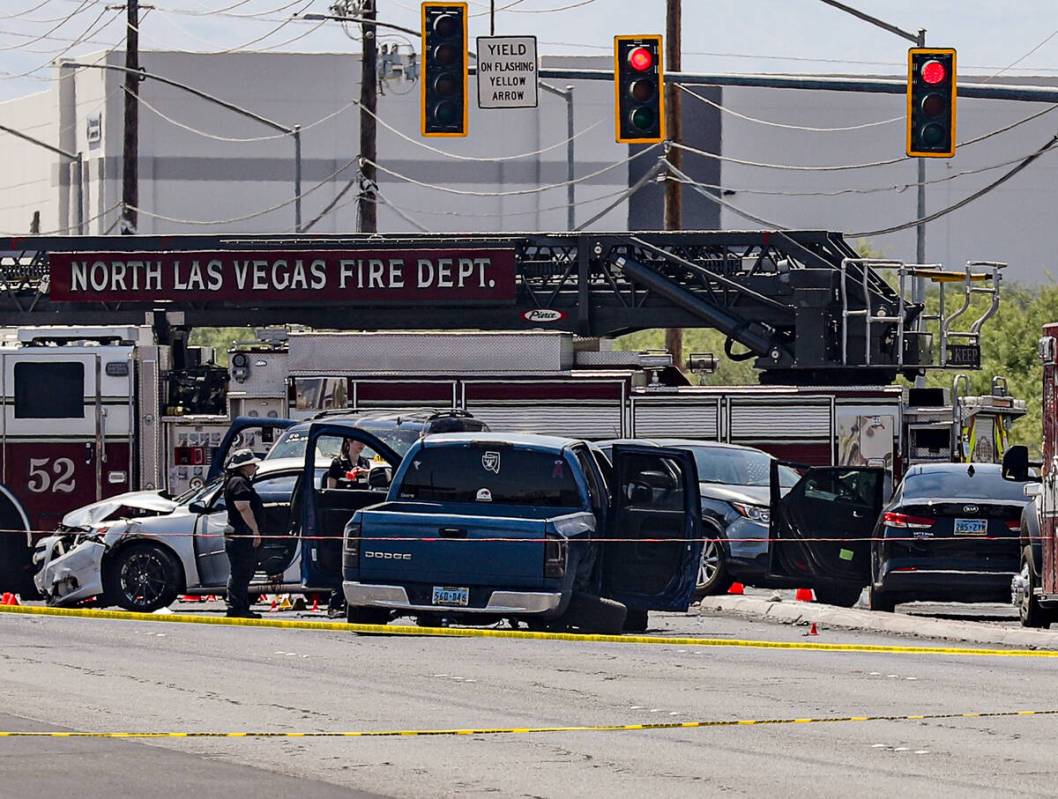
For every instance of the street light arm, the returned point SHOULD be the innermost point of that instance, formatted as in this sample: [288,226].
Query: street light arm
[39,143]
[190,90]
[361,20]
[911,37]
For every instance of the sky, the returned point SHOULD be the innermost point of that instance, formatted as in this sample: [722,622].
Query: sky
[1012,38]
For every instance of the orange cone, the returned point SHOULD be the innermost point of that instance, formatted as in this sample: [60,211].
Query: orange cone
[804,595]
[737,588]
[274,607]
[315,604]
[5,598]
[812,630]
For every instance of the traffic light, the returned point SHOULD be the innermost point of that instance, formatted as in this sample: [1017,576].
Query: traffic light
[639,89]
[444,100]
[931,102]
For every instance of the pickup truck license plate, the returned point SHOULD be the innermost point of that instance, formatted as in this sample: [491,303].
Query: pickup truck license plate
[971,526]
[453,597]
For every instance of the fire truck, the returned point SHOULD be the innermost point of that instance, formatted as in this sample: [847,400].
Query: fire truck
[103,395]
[1035,588]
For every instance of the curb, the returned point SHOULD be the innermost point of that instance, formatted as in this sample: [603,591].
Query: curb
[892,623]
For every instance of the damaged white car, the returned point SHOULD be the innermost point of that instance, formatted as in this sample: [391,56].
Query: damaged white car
[142,562]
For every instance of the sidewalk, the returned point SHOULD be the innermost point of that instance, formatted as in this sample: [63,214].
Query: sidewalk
[785,612]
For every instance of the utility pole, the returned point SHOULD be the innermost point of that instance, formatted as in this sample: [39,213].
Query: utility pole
[130,155]
[673,123]
[367,206]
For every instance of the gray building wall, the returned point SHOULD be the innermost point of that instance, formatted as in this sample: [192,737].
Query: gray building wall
[1012,223]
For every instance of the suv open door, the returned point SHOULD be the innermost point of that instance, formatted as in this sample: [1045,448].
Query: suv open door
[321,513]
[654,495]
[822,528]
[252,432]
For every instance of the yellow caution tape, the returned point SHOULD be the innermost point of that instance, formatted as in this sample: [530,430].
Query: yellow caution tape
[472,632]
[664,725]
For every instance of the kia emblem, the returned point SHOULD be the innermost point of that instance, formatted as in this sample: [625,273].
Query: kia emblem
[970,509]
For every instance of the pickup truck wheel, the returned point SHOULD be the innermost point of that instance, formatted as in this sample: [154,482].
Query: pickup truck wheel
[712,569]
[1029,610]
[142,578]
[355,615]
[595,614]
[636,621]
[841,595]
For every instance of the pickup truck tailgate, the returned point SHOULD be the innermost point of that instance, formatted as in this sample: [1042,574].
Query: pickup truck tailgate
[447,548]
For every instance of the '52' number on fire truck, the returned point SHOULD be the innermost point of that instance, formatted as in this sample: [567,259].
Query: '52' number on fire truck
[40,480]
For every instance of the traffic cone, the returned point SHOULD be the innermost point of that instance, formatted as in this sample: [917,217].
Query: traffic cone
[274,607]
[737,589]
[804,595]
[5,598]
[190,598]
[812,629]
[315,604]
[211,598]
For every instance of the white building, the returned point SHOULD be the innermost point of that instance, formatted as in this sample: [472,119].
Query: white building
[239,169]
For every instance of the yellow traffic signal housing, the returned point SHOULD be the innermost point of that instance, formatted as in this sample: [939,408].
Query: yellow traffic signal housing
[444,96]
[931,95]
[639,89]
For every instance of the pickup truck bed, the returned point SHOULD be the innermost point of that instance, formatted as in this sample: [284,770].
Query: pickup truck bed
[409,549]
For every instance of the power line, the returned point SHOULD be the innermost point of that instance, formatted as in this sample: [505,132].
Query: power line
[515,192]
[254,214]
[84,4]
[967,200]
[769,123]
[27,11]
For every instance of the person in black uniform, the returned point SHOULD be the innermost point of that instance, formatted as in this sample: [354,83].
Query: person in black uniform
[242,540]
[349,458]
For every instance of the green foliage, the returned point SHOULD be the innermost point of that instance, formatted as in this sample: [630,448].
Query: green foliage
[728,373]
[220,338]
[1008,344]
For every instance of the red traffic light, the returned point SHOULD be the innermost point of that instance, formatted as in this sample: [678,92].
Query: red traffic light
[933,72]
[640,59]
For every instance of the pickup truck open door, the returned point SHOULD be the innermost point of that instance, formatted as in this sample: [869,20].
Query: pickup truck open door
[654,496]
[822,527]
[321,513]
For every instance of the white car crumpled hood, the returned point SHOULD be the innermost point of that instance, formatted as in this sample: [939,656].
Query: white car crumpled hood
[142,503]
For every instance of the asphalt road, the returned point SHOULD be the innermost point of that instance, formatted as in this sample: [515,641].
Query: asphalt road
[123,676]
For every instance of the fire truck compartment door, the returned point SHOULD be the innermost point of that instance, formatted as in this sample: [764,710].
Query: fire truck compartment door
[821,528]
[53,429]
[246,431]
[654,496]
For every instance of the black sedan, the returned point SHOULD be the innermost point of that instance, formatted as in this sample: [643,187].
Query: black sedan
[951,532]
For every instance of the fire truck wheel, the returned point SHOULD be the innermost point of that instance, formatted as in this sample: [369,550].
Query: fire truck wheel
[844,596]
[142,578]
[712,570]
[1029,610]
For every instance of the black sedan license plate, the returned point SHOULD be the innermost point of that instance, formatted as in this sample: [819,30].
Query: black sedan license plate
[971,526]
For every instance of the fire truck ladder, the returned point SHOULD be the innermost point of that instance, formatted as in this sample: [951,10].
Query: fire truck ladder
[979,277]
[801,303]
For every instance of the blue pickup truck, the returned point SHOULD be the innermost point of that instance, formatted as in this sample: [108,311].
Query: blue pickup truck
[480,526]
